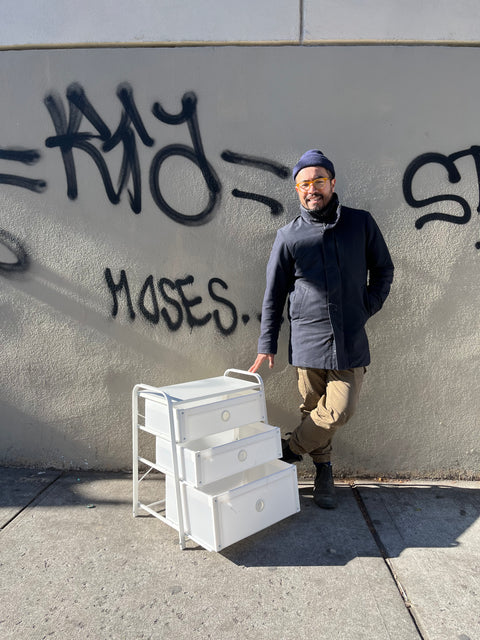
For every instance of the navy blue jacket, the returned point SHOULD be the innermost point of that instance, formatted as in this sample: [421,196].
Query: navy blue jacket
[335,277]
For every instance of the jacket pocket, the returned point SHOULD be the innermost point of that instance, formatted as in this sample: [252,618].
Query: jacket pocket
[366,303]
[297,298]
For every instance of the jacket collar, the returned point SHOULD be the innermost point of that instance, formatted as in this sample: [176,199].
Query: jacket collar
[332,215]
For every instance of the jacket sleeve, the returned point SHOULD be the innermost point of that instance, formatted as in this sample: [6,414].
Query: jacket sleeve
[380,267]
[279,279]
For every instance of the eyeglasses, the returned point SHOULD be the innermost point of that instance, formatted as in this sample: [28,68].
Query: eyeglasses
[318,183]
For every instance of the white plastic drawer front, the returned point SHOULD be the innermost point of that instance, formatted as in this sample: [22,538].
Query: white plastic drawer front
[223,454]
[197,419]
[220,416]
[232,509]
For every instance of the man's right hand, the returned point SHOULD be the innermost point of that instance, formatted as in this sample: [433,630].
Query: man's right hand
[261,357]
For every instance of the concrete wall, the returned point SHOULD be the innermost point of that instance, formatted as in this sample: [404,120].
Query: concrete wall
[133,244]
[133,22]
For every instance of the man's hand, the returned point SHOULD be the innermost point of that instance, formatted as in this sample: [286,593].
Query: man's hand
[261,357]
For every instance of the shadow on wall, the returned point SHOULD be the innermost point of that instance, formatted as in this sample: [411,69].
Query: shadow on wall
[28,438]
[89,309]
[92,434]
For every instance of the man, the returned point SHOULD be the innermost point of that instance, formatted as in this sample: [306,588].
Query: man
[333,265]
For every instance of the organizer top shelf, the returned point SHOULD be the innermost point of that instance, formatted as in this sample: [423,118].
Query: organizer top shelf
[200,389]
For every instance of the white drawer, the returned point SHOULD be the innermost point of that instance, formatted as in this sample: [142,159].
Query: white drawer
[223,454]
[194,420]
[229,510]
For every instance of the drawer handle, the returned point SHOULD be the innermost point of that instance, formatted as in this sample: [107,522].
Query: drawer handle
[260,505]
[242,455]
[225,416]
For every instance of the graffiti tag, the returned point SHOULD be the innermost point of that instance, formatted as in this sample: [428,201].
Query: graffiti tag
[454,176]
[173,303]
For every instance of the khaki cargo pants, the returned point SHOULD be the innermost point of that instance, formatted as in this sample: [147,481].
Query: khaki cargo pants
[330,398]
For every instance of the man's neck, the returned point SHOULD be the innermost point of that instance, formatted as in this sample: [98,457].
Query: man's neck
[328,213]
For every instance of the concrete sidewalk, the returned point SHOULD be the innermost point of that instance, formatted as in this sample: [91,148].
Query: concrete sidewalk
[396,561]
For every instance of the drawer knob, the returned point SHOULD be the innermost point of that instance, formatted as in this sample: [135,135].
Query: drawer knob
[225,416]
[242,455]
[260,505]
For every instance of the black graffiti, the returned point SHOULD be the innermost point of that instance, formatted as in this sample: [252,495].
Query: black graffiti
[22,262]
[280,170]
[276,168]
[116,288]
[196,154]
[25,156]
[173,325]
[454,176]
[152,315]
[79,128]
[69,138]
[276,208]
[174,302]
[14,246]
[216,314]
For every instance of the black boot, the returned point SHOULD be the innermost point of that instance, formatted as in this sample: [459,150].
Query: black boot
[287,453]
[324,489]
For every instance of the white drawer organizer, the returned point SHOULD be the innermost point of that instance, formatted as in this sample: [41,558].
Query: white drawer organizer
[223,479]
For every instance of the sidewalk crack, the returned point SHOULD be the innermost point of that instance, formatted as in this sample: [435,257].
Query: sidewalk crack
[387,560]
[35,497]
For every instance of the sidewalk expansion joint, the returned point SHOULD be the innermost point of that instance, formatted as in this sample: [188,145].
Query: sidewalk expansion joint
[384,553]
[35,497]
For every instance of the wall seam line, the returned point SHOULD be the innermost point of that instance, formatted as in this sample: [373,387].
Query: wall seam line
[266,44]
[300,35]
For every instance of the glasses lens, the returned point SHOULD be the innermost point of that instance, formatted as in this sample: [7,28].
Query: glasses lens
[318,183]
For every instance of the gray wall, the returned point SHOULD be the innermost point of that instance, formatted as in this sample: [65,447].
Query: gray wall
[191,244]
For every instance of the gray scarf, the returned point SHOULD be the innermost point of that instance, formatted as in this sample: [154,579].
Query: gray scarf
[326,215]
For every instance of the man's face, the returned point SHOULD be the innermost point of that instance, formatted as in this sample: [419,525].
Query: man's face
[315,196]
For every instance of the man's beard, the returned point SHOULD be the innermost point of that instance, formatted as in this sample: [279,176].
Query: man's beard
[326,213]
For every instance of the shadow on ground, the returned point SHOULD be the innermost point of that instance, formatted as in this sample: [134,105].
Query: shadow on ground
[371,520]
